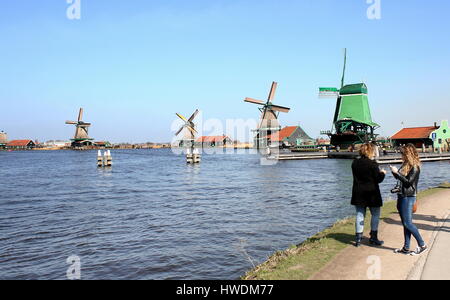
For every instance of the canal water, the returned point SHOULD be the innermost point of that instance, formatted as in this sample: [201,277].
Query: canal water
[151,216]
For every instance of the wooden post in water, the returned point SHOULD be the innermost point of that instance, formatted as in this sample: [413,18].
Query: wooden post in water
[108,158]
[99,159]
[189,156]
[196,156]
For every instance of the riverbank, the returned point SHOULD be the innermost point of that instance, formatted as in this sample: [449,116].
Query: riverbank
[330,254]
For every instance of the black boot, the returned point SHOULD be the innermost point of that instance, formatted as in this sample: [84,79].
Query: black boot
[358,239]
[374,239]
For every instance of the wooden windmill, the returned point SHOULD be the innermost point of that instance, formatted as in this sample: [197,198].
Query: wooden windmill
[188,130]
[188,138]
[268,124]
[352,122]
[81,137]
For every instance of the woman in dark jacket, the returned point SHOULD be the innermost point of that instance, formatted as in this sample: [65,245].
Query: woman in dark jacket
[408,179]
[366,192]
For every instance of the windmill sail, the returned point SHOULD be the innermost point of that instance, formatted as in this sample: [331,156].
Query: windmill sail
[81,136]
[187,131]
[269,123]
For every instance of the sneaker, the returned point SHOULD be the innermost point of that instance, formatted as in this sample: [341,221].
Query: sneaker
[403,251]
[420,250]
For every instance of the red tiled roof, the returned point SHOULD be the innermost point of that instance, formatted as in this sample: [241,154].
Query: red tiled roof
[414,133]
[211,139]
[19,143]
[283,133]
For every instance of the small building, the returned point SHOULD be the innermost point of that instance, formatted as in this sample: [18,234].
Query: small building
[214,141]
[102,144]
[435,136]
[56,144]
[323,142]
[3,139]
[291,136]
[21,145]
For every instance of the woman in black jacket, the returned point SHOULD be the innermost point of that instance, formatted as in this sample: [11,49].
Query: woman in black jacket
[366,192]
[408,179]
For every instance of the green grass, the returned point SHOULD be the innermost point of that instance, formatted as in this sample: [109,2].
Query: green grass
[302,261]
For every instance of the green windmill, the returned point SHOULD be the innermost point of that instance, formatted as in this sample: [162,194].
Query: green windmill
[352,122]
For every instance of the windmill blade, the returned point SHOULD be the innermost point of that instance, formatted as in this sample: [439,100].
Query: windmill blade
[250,100]
[80,115]
[272,91]
[192,129]
[71,122]
[193,115]
[181,117]
[84,124]
[179,131]
[280,108]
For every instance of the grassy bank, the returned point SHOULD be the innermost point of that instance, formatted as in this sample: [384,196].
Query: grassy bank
[302,261]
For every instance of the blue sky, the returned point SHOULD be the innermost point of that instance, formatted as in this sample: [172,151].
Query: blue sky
[133,64]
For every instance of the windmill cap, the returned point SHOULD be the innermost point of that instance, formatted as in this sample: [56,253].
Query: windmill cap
[358,88]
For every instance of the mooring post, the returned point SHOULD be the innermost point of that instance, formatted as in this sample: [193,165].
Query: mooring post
[108,158]
[196,156]
[189,156]
[99,159]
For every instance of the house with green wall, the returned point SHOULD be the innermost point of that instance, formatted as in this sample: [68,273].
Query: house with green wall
[435,136]
[441,136]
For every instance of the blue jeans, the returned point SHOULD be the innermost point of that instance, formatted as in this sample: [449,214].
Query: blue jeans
[405,208]
[361,215]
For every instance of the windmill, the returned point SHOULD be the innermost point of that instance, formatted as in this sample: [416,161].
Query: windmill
[81,137]
[269,118]
[188,138]
[352,122]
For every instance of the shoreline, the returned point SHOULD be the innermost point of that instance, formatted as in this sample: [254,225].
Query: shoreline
[305,260]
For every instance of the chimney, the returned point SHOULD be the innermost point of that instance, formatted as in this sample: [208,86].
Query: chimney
[435,125]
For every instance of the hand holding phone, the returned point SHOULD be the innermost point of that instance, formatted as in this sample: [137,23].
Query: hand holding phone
[394,169]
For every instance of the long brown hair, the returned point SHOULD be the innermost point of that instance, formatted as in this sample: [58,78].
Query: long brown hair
[410,158]
[367,150]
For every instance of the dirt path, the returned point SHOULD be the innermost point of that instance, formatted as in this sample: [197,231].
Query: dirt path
[369,262]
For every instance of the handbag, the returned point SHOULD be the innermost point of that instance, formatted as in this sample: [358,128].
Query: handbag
[415,207]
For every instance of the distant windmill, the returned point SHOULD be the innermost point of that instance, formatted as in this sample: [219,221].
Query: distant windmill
[269,118]
[188,139]
[81,137]
[188,128]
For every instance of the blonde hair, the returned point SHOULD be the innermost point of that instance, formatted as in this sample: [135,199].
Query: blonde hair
[410,158]
[367,150]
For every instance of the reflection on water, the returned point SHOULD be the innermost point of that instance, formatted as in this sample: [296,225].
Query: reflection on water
[152,216]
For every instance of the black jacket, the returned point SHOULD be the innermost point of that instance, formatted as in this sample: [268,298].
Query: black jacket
[408,183]
[366,179]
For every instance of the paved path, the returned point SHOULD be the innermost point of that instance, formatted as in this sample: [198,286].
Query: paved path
[369,262]
[437,266]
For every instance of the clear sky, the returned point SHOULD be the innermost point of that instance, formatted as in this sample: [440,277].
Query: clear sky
[133,64]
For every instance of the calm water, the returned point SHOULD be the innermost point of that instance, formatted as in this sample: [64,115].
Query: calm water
[153,217]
